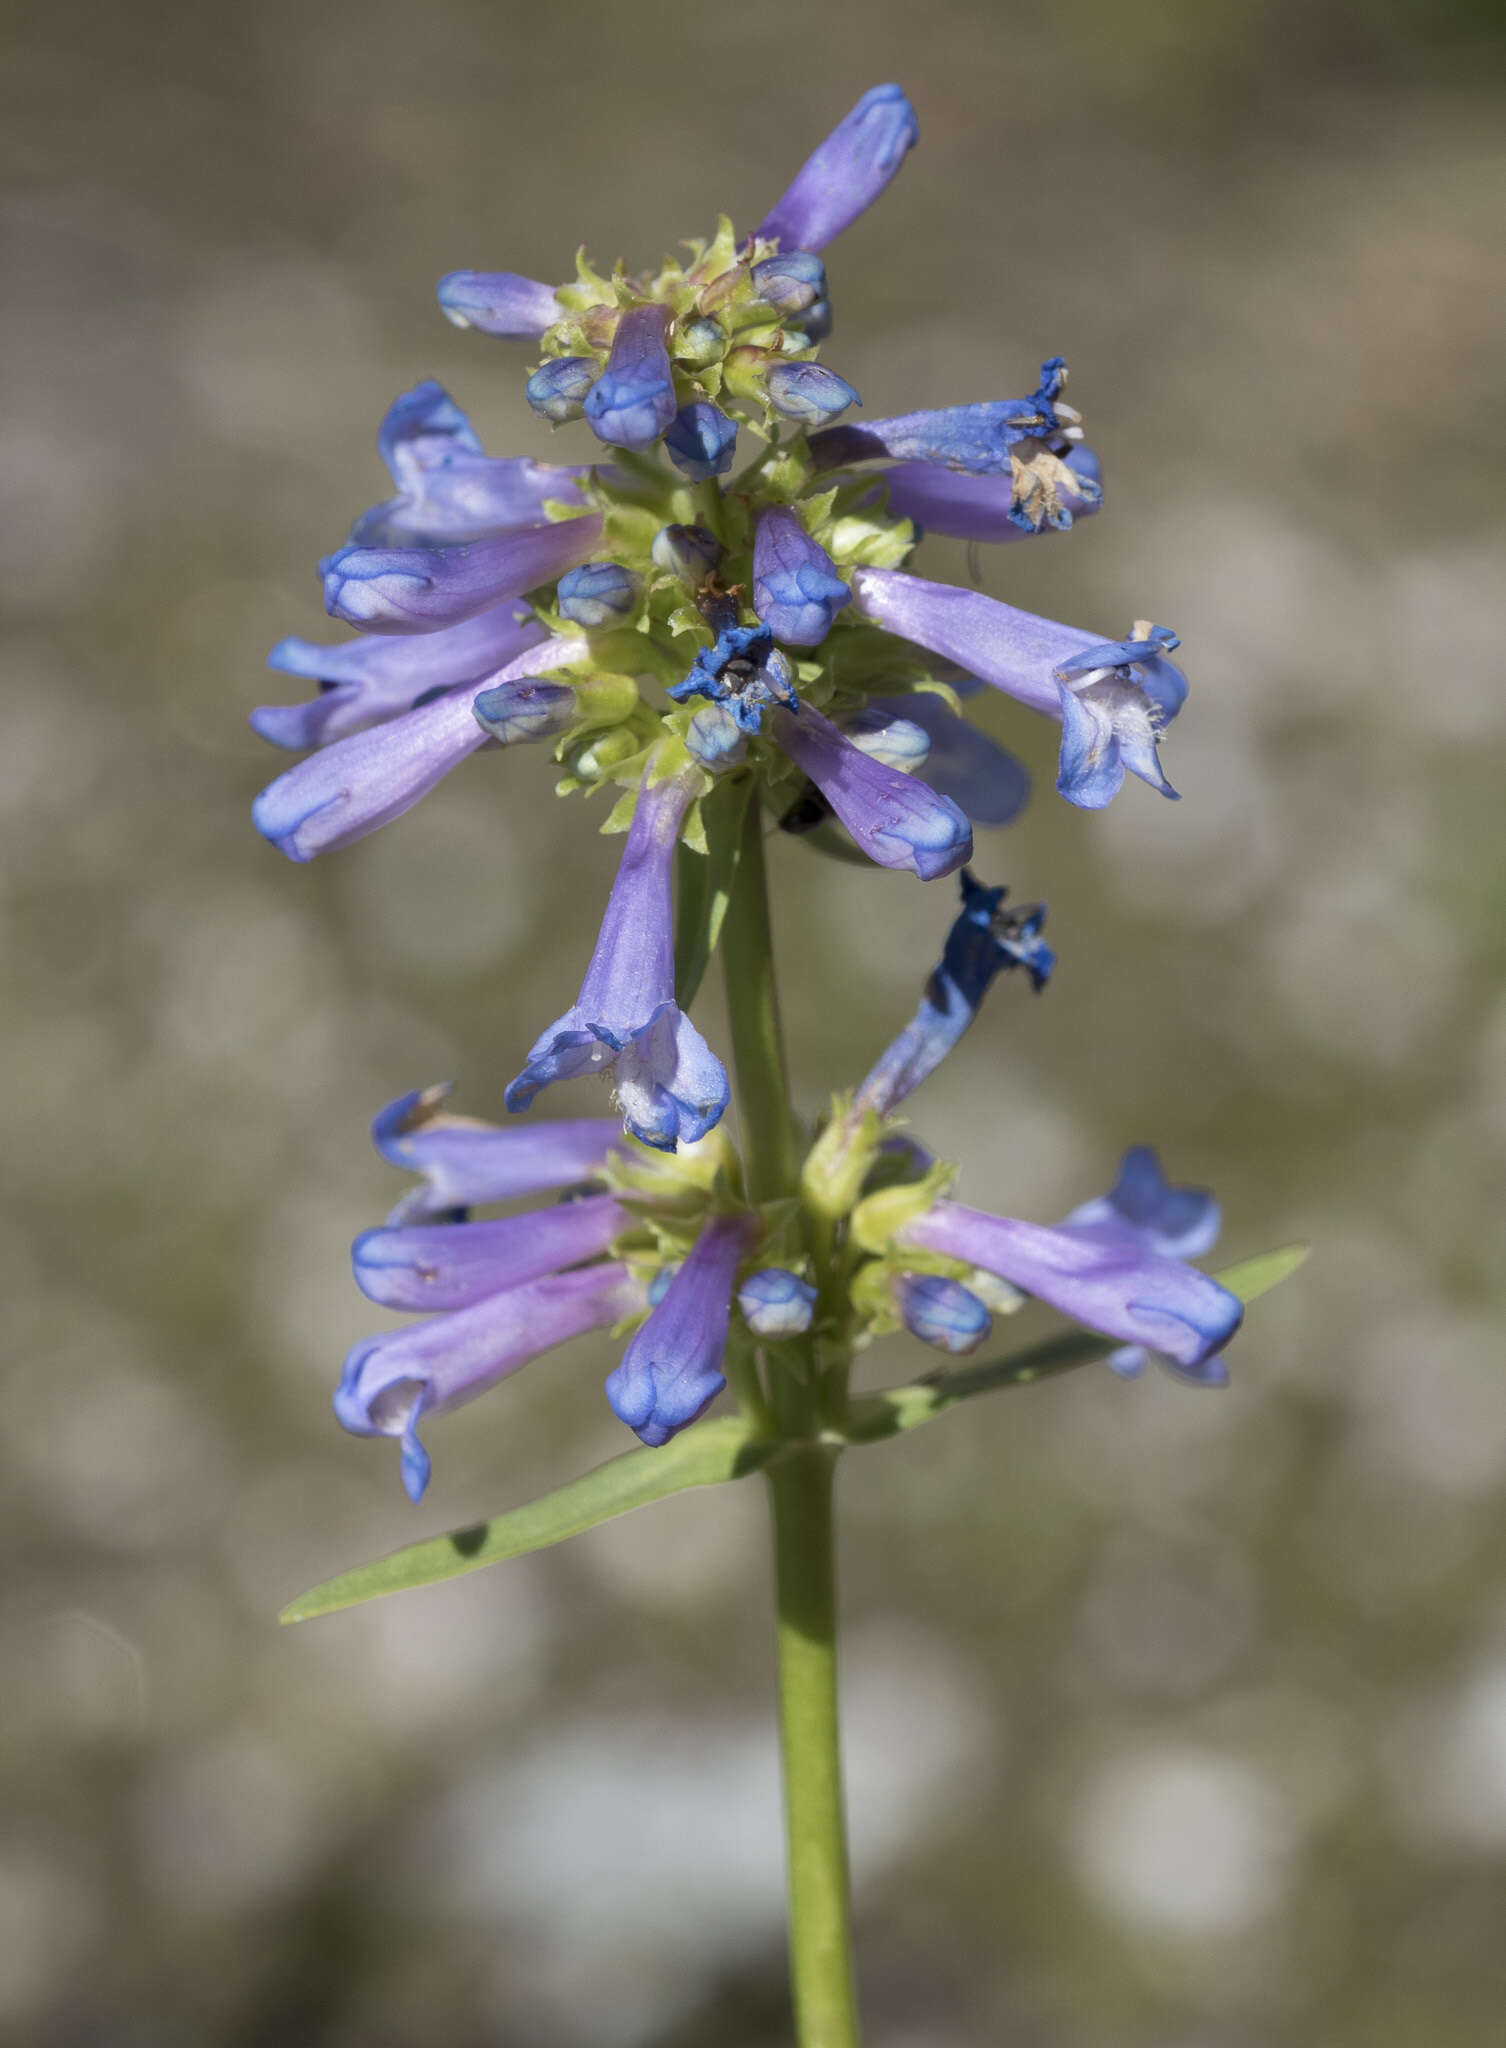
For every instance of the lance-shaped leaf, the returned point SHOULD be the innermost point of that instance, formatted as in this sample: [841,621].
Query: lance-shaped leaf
[703,886]
[900,1408]
[704,1456]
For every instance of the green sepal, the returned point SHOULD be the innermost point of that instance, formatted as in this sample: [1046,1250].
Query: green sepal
[704,885]
[600,700]
[707,1455]
[869,541]
[878,1218]
[620,817]
[785,474]
[678,1181]
[840,1160]
[627,534]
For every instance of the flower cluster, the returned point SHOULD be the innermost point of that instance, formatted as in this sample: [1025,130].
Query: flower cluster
[666,1246]
[678,627]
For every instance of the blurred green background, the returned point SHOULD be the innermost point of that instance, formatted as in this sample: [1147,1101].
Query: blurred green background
[1176,1720]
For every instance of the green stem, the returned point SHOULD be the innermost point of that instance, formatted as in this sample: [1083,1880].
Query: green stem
[747,1386]
[770,1158]
[800,1484]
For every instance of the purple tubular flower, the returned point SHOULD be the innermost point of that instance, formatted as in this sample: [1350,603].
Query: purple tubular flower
[452,1265]
[465,1163]
[671,1368]
[1112,699]
[896,819]
[983,940]
[776,1302]
[1014,650]
[633,400]
[1109,1283]
[973,438]
[416,590]
[1142,1208]
[701,441]
[498,302]
[449,490]
[1115,698]
[338,795]
[557,390]
[808,392]
[391,1382]
[844,174]
[796,589]
[981,507]
[373,678]
[671,1086]
[942,1313]
[977,773]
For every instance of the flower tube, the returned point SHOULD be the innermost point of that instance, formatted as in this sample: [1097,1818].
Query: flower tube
[898,820]
[449,489]
[977,439]
[845,173]
[671,1086]
[983,940]
[498,302]
[1112,698]
[379,675]
[451,1265]
[465,1163]
[392,1382]
[417,590]
[671,1369]
[336,796]
[1108,1282]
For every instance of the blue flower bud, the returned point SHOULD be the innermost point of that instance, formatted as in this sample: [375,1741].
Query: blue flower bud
[526,710]
[557,390]
[790,282]
[715,738]
[633,400]
[815,322]
[598,594]
[689,552]
[701,441]
[809,392]
[700,341]
[776,1303]
[942,1313]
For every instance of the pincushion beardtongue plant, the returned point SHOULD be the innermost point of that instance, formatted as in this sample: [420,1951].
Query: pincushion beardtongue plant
[729,651]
